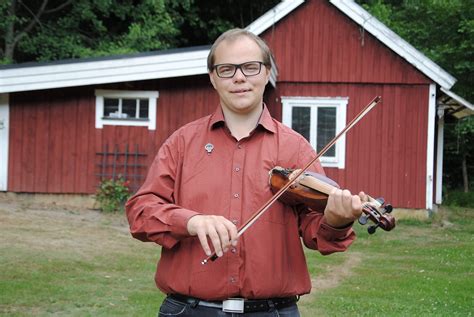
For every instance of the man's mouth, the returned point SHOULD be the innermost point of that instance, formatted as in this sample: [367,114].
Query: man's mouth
[240,91]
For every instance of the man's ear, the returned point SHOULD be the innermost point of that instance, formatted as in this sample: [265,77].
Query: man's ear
[269,71]
[211,77]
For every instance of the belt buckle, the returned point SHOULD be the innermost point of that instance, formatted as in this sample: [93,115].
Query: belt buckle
[233,305]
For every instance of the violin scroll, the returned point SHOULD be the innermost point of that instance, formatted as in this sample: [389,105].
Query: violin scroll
[379,213]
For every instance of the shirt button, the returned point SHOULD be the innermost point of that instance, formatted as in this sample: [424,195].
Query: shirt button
[233,250]
[232,280]
[236,195]
[235,221]
[237,169]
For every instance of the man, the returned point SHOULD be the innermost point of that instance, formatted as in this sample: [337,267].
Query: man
[210,176]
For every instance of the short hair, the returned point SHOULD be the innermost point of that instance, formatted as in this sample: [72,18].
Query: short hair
[234,34]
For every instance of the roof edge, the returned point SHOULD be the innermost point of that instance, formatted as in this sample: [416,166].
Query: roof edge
[458,99]
[459,107]
[273,15]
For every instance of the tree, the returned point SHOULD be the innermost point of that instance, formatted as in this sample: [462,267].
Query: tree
[15,26]
[459,152]
[46,30]
[50,29]
[207,19]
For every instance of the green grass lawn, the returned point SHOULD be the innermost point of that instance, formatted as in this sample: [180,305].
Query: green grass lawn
[84,263]
[419,269]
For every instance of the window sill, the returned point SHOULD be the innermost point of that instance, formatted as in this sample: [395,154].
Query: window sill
[126,119]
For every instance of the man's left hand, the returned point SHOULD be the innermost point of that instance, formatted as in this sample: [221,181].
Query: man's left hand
[343,208]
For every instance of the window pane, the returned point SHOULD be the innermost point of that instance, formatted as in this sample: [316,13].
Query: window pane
[111,107]
[301,120]
[326,129]
[143,109]
[129,107]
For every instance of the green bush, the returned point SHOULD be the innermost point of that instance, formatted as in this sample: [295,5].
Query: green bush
[459,199]
[112,194]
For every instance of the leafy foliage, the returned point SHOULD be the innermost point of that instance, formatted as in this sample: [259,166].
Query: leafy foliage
[205,20]
[105,27]
[59,29]
[458,148]
[459,199]
[112,194]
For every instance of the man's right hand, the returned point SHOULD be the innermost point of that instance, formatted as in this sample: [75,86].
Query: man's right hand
[221,232]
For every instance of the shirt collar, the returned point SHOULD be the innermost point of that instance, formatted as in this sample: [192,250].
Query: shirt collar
[265,121]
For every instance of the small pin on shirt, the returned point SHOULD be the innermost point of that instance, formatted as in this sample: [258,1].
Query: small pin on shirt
[209,147]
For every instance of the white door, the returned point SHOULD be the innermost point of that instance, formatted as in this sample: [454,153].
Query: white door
[4,128]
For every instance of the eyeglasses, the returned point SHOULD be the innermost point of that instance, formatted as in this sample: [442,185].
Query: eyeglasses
[228,70]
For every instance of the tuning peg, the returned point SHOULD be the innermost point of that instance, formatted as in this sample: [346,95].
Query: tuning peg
[372,229]
[363,219]
[388,208]
[380,200]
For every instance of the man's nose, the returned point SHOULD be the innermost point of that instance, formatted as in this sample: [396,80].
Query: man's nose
[239,74]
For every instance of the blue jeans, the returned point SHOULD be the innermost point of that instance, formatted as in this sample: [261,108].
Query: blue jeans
[171,307]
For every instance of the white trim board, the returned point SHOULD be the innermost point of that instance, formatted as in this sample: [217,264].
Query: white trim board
[4,139]
[273,15]
[92,72]
[430,152]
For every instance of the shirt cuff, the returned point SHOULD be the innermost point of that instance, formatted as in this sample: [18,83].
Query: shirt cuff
[330,233]
[179,221]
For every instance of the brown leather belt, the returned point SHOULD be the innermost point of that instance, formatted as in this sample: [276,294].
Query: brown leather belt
[249,305]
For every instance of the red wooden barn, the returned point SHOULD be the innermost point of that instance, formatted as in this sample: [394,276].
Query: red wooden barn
[67,124]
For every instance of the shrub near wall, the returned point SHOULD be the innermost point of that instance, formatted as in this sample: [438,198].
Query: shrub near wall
[112,194]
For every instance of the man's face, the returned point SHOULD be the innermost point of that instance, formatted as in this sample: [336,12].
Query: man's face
[240,94]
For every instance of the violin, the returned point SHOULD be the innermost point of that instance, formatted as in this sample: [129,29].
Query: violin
[313,189]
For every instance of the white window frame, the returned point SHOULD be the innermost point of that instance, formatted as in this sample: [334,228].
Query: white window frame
[340,103]
[100,120]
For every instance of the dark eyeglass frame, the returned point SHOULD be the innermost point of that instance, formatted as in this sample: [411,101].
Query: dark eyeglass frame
[236,67]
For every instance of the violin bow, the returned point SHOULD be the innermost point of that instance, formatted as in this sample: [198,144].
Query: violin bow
[252,219]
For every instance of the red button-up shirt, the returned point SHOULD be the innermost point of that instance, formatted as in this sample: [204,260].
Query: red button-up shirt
[202,169]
